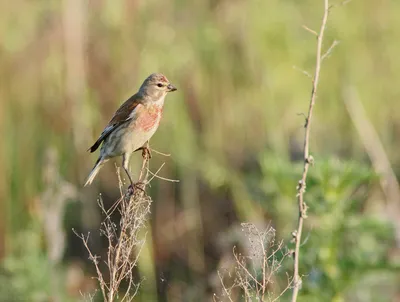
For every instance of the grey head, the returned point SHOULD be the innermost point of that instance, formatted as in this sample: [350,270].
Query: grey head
[156,86]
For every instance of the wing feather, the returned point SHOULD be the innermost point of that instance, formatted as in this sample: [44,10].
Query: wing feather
[126,112]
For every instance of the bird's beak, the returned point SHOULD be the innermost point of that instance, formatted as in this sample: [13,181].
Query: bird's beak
[171,87]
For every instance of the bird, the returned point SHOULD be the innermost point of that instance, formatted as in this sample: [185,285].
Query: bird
[132,125]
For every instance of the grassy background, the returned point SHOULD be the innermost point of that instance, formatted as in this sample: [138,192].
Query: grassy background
[233,129]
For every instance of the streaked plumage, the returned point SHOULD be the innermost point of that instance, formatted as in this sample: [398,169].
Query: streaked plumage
[133,124]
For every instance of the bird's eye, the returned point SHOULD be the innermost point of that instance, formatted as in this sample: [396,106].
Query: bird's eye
[160,85]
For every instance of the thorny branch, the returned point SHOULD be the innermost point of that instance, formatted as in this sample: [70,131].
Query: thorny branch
[308,159]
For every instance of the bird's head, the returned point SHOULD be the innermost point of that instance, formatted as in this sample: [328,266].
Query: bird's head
[156,86]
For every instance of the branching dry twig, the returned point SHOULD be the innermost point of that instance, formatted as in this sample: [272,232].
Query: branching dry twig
[308,159]
[155,175]
[124,245]
[255,273]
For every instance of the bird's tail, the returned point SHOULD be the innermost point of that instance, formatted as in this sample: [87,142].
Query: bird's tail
[100,162]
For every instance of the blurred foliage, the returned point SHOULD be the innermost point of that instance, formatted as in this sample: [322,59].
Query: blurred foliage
[234,129]
[26,275]
[343,243]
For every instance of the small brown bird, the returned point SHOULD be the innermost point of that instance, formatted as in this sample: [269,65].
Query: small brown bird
[133,124]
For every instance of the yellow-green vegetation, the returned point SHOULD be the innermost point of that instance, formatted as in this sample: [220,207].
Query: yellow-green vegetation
[234,130]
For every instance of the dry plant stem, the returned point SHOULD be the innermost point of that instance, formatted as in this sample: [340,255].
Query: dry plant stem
[124,246]
[253,273]
[379,158]
[117,265]
[307,158]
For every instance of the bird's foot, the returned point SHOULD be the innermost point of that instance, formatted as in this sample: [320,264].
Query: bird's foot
[146,153]
[136,186]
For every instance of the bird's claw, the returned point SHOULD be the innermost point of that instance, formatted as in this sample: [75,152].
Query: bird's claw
[137,185]
[146,153]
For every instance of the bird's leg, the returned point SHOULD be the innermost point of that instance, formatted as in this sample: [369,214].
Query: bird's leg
[133,185]
[146,153]
[137,185]
[125,165]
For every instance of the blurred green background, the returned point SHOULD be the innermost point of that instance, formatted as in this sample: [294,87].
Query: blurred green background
[234,130]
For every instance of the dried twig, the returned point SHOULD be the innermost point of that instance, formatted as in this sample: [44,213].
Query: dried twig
[155,175]
[124,245]
[255,271]
[306,73]
[161,153]
[310,30]
[330,49]
[301,187]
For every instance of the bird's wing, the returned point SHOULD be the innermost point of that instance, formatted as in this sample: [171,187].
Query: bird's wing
[126,112]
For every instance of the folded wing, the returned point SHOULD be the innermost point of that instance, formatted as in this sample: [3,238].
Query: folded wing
[125,113]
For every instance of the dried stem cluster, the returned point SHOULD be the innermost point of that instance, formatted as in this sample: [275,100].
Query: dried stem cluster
[255,271]
[124,245]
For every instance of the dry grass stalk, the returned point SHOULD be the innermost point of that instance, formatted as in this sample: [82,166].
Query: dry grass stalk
[308,159]
[254,273]
[379,157]
[124,245]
